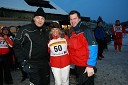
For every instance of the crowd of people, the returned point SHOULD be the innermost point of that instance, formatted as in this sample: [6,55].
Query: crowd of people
[6,45]
[38,50]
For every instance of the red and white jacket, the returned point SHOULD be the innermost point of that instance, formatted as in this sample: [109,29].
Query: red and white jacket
[118,30]
[59,56]
[5,43]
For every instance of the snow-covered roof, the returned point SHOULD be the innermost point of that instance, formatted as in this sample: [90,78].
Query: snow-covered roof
[22,5]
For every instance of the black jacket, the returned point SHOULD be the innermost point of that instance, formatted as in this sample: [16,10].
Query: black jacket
[31,44]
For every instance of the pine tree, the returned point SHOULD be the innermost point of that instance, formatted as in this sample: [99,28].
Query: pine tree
[100,19]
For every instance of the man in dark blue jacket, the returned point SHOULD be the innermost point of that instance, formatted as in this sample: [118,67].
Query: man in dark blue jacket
[100,38]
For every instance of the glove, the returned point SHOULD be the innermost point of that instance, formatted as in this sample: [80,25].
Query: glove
[26,66]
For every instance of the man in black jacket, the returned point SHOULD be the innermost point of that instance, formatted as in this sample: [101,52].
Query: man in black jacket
[31,47]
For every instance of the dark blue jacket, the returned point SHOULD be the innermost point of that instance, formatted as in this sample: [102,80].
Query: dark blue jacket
[99,33]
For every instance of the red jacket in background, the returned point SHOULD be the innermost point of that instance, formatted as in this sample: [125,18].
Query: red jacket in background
[118,31]
[5,43]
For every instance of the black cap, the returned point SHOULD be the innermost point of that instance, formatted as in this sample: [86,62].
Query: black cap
[40,12]
[54,25]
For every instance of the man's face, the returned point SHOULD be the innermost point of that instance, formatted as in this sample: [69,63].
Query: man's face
[118,22]
[74,19]
[100,24]
[39,21]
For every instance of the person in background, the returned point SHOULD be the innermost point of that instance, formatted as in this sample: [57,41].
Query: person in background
[1,28]
[59,56]
[82,48]
[117,32]
[11,53]
[6,43]
[106,40]
[31,49]
[100,38]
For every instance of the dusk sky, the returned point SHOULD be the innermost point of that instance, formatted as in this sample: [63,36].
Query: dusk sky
[109,10]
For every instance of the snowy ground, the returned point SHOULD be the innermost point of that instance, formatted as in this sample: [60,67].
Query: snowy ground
[112,70]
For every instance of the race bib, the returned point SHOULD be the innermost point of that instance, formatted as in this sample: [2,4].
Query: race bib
[3,43]
[118,28]
[58,47]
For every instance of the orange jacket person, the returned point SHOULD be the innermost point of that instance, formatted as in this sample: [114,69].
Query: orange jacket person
[117,32]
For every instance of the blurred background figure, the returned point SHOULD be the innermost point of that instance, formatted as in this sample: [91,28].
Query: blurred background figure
[6,42]
[100,38]
[117,33]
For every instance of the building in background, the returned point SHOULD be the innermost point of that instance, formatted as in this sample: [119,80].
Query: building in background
[11,15]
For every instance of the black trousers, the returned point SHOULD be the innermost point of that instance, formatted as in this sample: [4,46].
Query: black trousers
[5,73]
[101,46]
[40,74]
[24,74]
[80,70]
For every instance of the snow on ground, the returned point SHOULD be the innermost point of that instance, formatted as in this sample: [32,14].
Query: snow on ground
[112,70]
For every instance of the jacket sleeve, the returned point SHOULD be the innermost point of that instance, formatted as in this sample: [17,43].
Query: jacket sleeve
[67,39]
[92,45]
[18,43]
[97,35]
[123,28]
[93,49]
[9,42]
